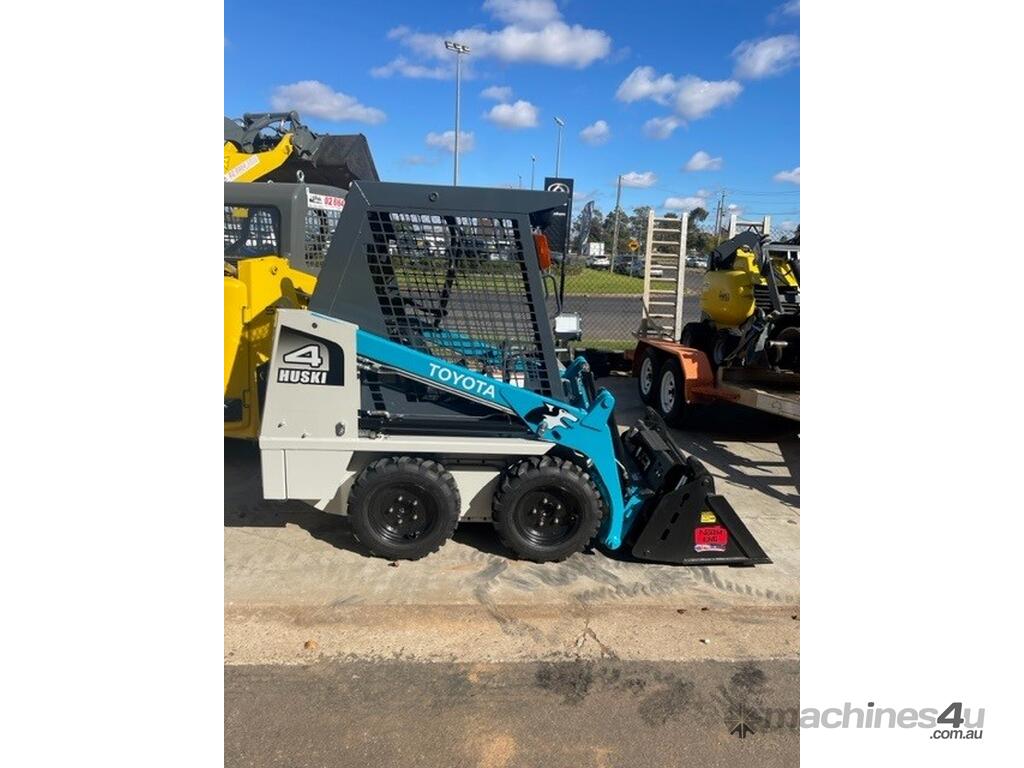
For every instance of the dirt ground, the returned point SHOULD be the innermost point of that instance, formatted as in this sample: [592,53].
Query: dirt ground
[298,587]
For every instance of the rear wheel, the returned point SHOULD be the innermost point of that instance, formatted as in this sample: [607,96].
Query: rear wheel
[404,508]
[670,401]
[546,509]
[789,359]
[646,374]
[698,336]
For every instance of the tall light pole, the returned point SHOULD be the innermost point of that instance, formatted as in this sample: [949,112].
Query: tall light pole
[615,229]
[459,49]
[533,169]
[558,150]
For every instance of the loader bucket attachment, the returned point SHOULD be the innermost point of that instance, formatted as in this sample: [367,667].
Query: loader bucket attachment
[684,522]
[329,159]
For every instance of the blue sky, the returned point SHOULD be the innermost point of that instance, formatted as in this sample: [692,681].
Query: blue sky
[709,85]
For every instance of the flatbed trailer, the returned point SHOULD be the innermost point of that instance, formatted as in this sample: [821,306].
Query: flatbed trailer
[666,369]
[672,376]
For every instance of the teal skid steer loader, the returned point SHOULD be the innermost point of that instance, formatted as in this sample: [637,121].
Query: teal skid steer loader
[420,390]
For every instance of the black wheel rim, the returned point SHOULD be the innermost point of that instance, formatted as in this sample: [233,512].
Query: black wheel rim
[547,517]
[402,513]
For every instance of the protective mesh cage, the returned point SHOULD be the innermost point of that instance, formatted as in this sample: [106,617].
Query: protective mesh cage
[320,226]
[457,287]
[250,231]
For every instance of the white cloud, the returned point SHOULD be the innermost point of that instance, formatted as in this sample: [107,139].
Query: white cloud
[446,141]
[790,176]
[661,127]
[311,98]
[685,203]
[535,33]
[596,133]
[702,161]
[764,58]
[642,83]
[405,68]
[732,208]
[791,8]
[696,98]
[522,114]
[534,13]
[691,96]
[634,179]
[500,93]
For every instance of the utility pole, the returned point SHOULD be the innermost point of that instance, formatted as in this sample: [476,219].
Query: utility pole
[459,49]
[615,229]
[533,170]
[718,217]
[520,181]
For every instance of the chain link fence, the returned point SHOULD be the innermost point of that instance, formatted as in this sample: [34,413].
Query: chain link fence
[609,297]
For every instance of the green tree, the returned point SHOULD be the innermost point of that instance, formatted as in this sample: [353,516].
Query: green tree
[609,230]
[697,238]
[638,225]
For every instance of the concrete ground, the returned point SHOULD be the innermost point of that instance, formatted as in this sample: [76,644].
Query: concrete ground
[301,593]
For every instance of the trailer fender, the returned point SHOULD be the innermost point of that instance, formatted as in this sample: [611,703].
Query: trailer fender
[697,372]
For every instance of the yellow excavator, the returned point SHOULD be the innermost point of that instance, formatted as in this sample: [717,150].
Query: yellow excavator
[275,239]
[276,146]
[750,305]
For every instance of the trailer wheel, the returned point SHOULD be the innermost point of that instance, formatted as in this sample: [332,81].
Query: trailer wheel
[647,373]
[404,508]
[670,394]
[546,509]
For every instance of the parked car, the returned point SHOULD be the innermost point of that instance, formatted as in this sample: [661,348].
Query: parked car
[599,262]
[697,260]
[636,269]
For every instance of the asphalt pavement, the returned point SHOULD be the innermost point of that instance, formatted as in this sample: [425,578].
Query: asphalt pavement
[572,714]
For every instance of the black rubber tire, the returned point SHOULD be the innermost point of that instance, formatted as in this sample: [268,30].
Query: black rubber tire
[672,409]
[564,483]
[791,357]
[430,487]
[650,357]
[698,336]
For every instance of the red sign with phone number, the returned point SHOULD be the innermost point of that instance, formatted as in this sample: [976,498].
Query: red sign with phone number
[710,538]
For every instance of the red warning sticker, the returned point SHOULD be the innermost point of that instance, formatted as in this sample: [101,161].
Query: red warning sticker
[710,538]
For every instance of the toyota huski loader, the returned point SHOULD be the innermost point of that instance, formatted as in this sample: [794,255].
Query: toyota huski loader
[421,390]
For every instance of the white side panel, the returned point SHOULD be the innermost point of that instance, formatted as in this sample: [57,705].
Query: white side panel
[273,471]
[318,474]
[476,487]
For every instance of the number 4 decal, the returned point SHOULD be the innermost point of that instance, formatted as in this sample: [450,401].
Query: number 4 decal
[307,355]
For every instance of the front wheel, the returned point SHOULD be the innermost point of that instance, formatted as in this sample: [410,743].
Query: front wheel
[646,374]
[546,509]
[697,336]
